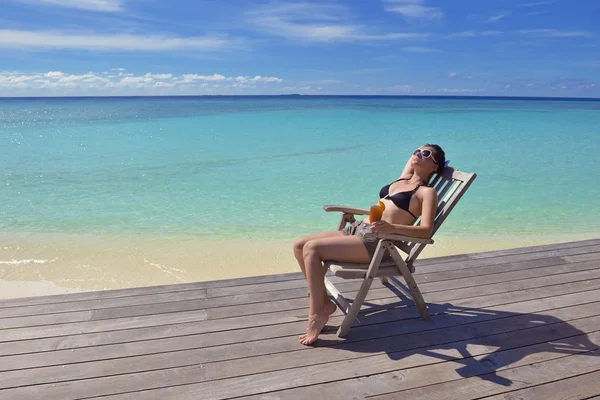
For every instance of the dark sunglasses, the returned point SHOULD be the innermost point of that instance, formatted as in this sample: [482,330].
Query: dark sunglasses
[425,154]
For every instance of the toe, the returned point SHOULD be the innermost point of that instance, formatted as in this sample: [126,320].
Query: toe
[309,341]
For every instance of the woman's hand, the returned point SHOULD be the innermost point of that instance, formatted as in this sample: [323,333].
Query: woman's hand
[382,227]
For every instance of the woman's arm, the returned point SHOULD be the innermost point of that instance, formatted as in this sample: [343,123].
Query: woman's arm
[407,172]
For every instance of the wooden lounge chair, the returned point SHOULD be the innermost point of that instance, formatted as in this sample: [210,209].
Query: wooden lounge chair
[451,186]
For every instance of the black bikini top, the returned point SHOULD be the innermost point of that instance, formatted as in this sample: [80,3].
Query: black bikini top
[400,199]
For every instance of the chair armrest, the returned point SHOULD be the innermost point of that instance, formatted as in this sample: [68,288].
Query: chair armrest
[391,236]
[345,209]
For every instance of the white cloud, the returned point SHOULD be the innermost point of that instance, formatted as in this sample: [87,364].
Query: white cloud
[537,3]
[556,33]
[62,40]
[456,90]
[414,9]
[327,82]
[402,88]
[469,34]
[316,23]
[453,75]
[392,36]
[90,5]
[498,17]
[158,76]
[196,77]
[102,84]
[416,49]
[412,90]
[258,78]
[243,86]
[297,88]
[164,84]
[53,74]
[463,34]
[531,14]
[491,33]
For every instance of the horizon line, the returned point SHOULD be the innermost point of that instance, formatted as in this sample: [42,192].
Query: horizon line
[296,95]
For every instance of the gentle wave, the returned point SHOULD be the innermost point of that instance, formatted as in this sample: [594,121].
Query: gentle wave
[26,261]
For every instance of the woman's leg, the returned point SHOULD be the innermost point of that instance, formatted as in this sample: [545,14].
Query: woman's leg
[338,248]
[299,244]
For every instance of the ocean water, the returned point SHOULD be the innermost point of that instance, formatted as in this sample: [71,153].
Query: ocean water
[263,167]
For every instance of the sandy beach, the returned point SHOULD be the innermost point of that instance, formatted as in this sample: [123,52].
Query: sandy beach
[56,264]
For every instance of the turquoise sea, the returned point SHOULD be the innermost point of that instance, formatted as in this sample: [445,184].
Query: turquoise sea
[263,167]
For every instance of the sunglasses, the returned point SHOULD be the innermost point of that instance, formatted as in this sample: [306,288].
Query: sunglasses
[424,154]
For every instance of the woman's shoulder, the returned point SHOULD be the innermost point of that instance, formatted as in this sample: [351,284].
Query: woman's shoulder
[427,191]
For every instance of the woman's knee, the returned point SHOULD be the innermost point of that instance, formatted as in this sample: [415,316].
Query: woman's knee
[311,248]
[299,245]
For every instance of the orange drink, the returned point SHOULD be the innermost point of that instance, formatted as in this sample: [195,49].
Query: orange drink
[376,211]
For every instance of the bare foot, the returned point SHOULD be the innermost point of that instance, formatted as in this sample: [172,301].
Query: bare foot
[330,307]
[316,322]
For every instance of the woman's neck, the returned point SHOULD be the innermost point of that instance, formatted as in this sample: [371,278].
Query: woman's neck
[418,178]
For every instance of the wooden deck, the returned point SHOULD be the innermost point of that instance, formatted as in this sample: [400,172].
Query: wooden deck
[514,324]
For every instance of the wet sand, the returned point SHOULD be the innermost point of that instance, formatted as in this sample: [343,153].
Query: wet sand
[35,265]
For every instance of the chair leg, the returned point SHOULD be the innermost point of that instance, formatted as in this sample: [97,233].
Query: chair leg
[364,289]
[410,280]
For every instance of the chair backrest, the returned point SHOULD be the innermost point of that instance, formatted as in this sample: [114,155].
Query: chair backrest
[450,185]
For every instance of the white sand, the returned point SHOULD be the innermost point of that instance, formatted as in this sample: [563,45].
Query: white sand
[34,266]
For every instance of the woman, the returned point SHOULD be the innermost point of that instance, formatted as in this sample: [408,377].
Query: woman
[405,200]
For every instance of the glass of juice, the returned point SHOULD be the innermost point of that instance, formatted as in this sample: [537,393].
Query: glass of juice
[376,212]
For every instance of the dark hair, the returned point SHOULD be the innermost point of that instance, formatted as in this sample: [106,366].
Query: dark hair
[439,156]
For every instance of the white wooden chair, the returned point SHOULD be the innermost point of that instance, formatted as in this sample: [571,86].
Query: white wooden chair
[451,185]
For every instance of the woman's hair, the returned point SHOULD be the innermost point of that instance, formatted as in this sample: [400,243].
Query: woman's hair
[439,156]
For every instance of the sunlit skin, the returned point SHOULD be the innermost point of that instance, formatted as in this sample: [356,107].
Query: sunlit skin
[311,250]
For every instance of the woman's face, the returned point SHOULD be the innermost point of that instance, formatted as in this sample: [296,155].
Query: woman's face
[422,158]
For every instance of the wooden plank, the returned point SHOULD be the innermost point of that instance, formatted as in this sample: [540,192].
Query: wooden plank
[505,287]
[99,326]
[510,276]
[490,269]
[180,331]
[583,257]
[505,252]
[529,249]
[583,386]
[83,305]
[118,293]
[515,258]
[262,356]
[544,371]
[189,382]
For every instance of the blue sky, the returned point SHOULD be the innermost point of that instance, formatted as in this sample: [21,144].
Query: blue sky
[388,47]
